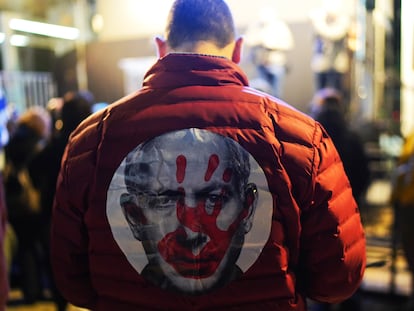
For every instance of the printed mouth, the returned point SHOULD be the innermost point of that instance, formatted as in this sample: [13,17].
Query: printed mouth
[194,268]
[196,257]
[186,263]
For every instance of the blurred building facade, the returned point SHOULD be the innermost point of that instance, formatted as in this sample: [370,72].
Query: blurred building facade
[114,45]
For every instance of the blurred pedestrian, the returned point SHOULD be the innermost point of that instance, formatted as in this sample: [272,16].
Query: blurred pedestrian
[270,40]
[31,133]
[74,107]
[328,108]
[330,60]
[402,198]
[4,268]
[4,249]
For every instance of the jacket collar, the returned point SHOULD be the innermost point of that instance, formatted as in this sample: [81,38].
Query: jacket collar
[175,70]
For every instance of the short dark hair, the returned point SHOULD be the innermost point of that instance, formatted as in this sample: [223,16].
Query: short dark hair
[77,106]
[192,21]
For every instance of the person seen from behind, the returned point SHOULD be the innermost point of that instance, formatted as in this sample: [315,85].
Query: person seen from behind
[31,132]
[75,106]
[4,269]
[328,108]
[5,251]
[402,199]
[200,193]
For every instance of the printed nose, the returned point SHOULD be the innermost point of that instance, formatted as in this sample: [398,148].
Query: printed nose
[195,241]
[190,216]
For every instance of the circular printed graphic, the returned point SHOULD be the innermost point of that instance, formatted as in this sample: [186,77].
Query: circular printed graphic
[190,210]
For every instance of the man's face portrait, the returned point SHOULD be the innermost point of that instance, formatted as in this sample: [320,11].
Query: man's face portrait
[189,201]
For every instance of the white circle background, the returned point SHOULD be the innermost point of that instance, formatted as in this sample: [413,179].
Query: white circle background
[133,250]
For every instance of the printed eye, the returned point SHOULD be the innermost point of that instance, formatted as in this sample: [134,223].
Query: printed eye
[167,199]
[158,200]
[216,199]
[164,201]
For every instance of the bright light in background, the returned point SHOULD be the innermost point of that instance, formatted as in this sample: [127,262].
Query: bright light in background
[407,66]
[140,19]
[150,20]
[407,43]
[19,40]
[333,6]
[97,23]
[50,30]
[15,40]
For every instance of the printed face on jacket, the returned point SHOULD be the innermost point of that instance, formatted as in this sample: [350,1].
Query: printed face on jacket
[189,202]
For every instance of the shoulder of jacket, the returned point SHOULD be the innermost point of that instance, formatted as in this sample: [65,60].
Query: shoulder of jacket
[292,124]
[280,107]
[301,140]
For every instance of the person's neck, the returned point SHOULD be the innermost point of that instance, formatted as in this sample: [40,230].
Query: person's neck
[205,48]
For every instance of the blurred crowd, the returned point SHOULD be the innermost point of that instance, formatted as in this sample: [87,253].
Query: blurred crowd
[32,149]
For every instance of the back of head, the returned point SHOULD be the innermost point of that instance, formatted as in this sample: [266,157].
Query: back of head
[326,99]
[32,130]
[37,120]
[327,108]
[76,107]
[193,21]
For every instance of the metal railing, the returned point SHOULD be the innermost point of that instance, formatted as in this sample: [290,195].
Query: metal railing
[27,89]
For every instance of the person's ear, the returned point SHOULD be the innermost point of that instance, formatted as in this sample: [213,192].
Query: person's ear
[162,49]
[237,51]
[132,214]
[250,203]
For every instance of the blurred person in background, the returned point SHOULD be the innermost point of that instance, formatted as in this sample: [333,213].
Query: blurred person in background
[269,39]
[328,108]
[31,132]
[67,114]
[330,60]
[5,249]
[402,199]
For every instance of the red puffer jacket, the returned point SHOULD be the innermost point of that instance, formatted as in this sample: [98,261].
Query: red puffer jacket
[305,238]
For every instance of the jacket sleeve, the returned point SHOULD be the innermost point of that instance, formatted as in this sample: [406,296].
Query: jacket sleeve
[69,237]
[333,254]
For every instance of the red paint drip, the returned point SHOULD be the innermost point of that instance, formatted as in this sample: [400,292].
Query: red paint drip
[181,163]
[213,163]
[227,175]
